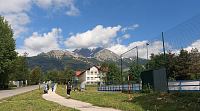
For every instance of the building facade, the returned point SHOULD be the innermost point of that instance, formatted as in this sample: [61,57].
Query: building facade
[93,75]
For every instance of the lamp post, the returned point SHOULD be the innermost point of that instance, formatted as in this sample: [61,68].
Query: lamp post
[121,65]
[147,54]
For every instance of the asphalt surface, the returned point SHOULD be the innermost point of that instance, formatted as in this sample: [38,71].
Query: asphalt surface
[11,92]
[82,106]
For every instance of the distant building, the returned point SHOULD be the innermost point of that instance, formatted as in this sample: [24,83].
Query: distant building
[92,75]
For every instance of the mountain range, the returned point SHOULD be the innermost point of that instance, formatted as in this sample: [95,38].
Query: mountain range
[79,58]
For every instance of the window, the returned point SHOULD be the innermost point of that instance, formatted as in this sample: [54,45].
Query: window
[92,78]
[91,82]
[88,78]
[95,72]
[91,72]
[88,72]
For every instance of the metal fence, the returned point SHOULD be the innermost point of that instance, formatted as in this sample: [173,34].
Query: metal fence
[173,86]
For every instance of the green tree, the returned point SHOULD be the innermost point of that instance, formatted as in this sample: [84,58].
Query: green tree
[7,51]
[69,73]
[195,64]
[79,69]
[103,65]
[170,61]
[22,73]
[34,77]
[51,75]
[113,73]
[41,74]
[133,71]
[156,62]
[182,65]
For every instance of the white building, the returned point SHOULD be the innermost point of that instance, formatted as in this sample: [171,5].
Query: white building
[92,75]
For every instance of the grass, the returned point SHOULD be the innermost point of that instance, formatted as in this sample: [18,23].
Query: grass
[179,101]
[30,101]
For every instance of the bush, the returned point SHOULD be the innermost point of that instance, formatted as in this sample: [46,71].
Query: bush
[127,91]
[146,89]
[12,85]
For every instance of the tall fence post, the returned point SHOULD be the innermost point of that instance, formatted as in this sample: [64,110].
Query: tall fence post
[165,62]
[180,87]
[134,87]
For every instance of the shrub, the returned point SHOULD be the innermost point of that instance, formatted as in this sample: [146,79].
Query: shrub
[146,89]
[127,91]
[12,85]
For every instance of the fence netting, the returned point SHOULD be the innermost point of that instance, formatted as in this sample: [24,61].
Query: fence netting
[176,49]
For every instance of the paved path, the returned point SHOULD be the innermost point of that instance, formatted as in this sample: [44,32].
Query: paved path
[83,106]
[11,92]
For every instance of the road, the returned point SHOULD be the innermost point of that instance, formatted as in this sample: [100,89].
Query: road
[11,92]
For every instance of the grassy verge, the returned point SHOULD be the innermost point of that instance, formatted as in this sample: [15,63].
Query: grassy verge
[30,101]
[140,101]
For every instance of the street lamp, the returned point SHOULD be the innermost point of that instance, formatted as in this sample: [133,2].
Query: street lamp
[121,56]
[147,54]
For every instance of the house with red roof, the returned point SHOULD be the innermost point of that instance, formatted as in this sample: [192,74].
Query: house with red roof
[92,75]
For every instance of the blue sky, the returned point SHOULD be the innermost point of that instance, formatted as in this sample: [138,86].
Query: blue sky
[118,25]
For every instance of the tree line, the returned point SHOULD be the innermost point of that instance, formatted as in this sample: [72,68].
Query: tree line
[182,66]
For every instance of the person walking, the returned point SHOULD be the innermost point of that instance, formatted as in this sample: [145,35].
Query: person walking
[47,86]
[52,87]
[68,89]
[45,89]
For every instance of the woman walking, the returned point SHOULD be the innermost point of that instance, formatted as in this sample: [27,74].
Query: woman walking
[68,89]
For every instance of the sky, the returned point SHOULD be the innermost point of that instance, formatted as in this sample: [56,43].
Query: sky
[118,25]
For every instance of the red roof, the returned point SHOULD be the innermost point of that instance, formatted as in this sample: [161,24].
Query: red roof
[78,72]
[105,69]
[98,67]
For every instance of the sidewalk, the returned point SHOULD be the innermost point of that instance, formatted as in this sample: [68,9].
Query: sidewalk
[83,106]
[11,92]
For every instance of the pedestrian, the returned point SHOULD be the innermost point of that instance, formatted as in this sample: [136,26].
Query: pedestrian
[45,89]
[47,86]
[52,87]
[68,89]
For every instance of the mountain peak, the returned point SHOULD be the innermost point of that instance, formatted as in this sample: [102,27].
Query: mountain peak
[87,52]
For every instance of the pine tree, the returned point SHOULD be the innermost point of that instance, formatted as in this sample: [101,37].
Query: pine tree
[7,51]
[195,64]
[182,65]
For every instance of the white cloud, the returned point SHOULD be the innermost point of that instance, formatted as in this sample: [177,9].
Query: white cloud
[14,6]
[129,28]
[13,11]
[97,36]
[71,33]
[119,40]
[18,22]
[44,3]
[58,5]
[126,36]
[155,47]
[73,11]
[38,43]
[196,44]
